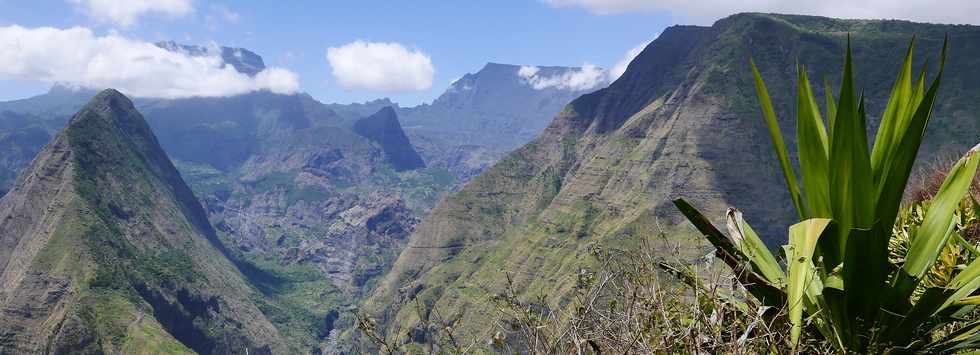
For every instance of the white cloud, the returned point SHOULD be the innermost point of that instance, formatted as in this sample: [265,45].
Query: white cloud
[380,66]
[126,12]
[527,72]
[587,77]
[707,11]
[137,68]
[620,67]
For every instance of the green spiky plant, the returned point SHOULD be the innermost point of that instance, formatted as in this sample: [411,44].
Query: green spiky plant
[838,279]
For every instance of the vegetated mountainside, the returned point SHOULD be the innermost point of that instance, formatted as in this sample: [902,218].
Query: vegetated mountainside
[683,121]
[104,249]
[383,128]
[314,211]
[26,125]
[320,209]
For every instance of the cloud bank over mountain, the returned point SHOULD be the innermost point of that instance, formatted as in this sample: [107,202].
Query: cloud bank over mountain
[585,78]
[78,57]
[706,12]
[588,77]
[380,66]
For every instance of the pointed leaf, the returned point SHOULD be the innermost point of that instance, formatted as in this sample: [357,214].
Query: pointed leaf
[831,106]
[803,238]
[938,222]
[965,337]
[777,141]
[850,163]
[757,285]
[893,123]
[748,242]
[812,146]
[896,171]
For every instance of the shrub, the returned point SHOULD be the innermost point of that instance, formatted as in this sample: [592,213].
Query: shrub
[841,278]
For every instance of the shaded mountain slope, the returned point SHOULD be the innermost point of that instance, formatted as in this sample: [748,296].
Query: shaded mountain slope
[104,249]
[681,122]
[383,128]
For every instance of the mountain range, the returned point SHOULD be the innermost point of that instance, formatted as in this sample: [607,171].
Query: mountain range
[312,202]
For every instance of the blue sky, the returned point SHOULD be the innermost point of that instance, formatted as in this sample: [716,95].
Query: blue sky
[408,51]
[458,39]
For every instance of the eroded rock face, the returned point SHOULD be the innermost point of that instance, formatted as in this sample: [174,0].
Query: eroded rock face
[351,238]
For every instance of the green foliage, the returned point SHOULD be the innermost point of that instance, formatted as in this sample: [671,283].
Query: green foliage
[422,189]
[842,280]
[294,297]
[273,180]
[204,179]
[311,193]
[169,265]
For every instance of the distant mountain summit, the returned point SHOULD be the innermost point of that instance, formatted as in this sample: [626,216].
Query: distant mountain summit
[243,60]
[501,105]
[104,249]
[484,115]
[383,128]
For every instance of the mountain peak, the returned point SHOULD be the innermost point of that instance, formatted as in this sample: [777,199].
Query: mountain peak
[108,113]
[383,128]
[110,102]
[386,113]
[243,60]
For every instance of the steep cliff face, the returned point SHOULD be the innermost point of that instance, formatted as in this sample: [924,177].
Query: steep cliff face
[104,249]
[383,128]
[681,122]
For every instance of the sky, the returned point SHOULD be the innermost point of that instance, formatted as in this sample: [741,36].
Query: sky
[355,51]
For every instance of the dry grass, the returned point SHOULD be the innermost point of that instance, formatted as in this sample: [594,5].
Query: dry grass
[633,301]
[924,185]
[639,302]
